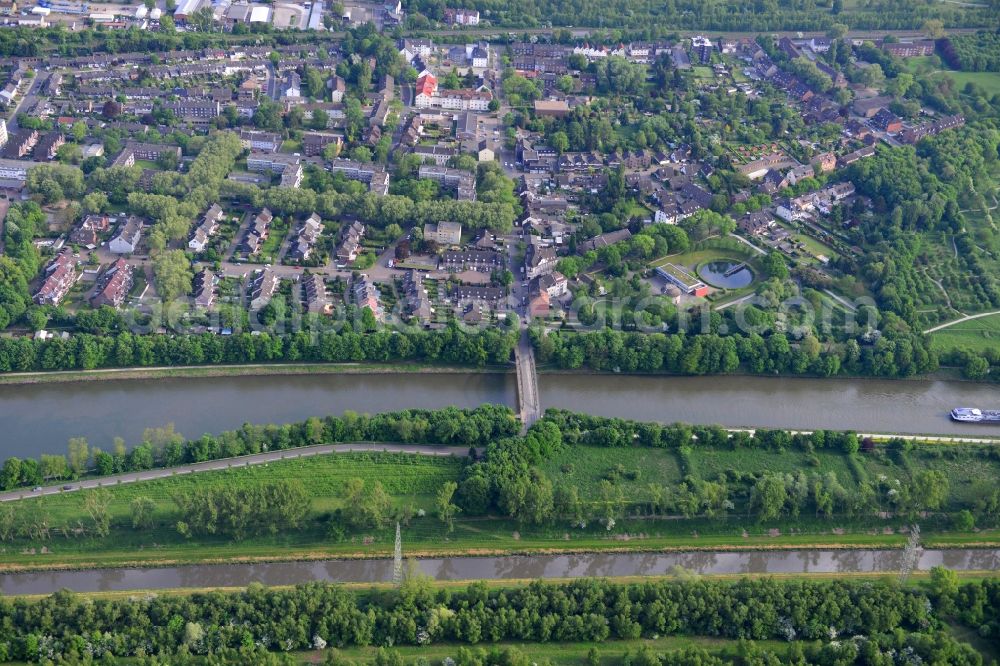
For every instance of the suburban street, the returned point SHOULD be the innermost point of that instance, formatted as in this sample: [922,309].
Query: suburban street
[26,101]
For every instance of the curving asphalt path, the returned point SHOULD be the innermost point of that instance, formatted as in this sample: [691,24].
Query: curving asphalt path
[960,320]
[227,463]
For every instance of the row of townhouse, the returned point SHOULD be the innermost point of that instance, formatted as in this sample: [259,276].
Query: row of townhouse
[206,229]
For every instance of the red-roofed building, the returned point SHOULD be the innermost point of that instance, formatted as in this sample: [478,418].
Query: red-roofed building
[425,90]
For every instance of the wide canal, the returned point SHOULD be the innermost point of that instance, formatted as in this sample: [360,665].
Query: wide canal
[497,568]
[40,418]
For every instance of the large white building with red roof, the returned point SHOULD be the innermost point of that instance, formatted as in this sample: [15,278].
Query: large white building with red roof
[425,90]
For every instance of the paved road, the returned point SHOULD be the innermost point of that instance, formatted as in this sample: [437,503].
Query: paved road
[961,319]
[527,382]
[26,102]
[840,300]
[730,304]
[748,244]
[271,89]
[242,461]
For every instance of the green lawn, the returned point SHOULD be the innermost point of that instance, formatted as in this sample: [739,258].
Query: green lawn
[710,463]
[408,478]
[691,260]
[815,247]
[269,249]
[989,81]
[974,334]
[586,466]
[412,481]
[702,72]
[561,654]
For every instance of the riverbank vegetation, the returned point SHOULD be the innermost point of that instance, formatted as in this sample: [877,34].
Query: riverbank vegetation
[573,483]
[840,622]
[163,447]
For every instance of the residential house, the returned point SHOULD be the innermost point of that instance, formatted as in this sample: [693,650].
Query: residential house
[757,168]
[887,121]
[867,108]
[263,141]
[262,286]
[257,232]
[481,261]
[314,294]
[416,48]
[291,175]
[425,90]
[60,276]
[825,162]
[461,181]
[539,303]
[337,89]
[439,154]
[314,143]
[126,239]
[604,240]
[756,223]
[87,232]
[20,144]
[206,229]
[114,285]
[851,158]
[150,152]
[203,288]
[350,242]
[418,305]
[366,295]
[553,108]
[538,261]
[461,16]
[554,284]
[308,236]
[463,99]
[799,172]
[48,146]
[292,86]
[444,233]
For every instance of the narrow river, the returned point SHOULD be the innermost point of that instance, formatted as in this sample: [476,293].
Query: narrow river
[40,418]
[496,568]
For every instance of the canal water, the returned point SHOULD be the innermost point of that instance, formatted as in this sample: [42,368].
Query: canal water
[40,418]
[497,568]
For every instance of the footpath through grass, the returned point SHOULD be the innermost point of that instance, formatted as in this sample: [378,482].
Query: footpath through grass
[608,652]
[412,481]
[974,335]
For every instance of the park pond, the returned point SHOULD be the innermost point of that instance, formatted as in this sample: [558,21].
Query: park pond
[502,568]
[726,274]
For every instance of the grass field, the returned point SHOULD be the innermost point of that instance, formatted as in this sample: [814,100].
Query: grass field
[691,260]
[814,247]
[408,478]
[974,335]
[413,481]
[586,466]
[561,654]
[988,81]
[703,73]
